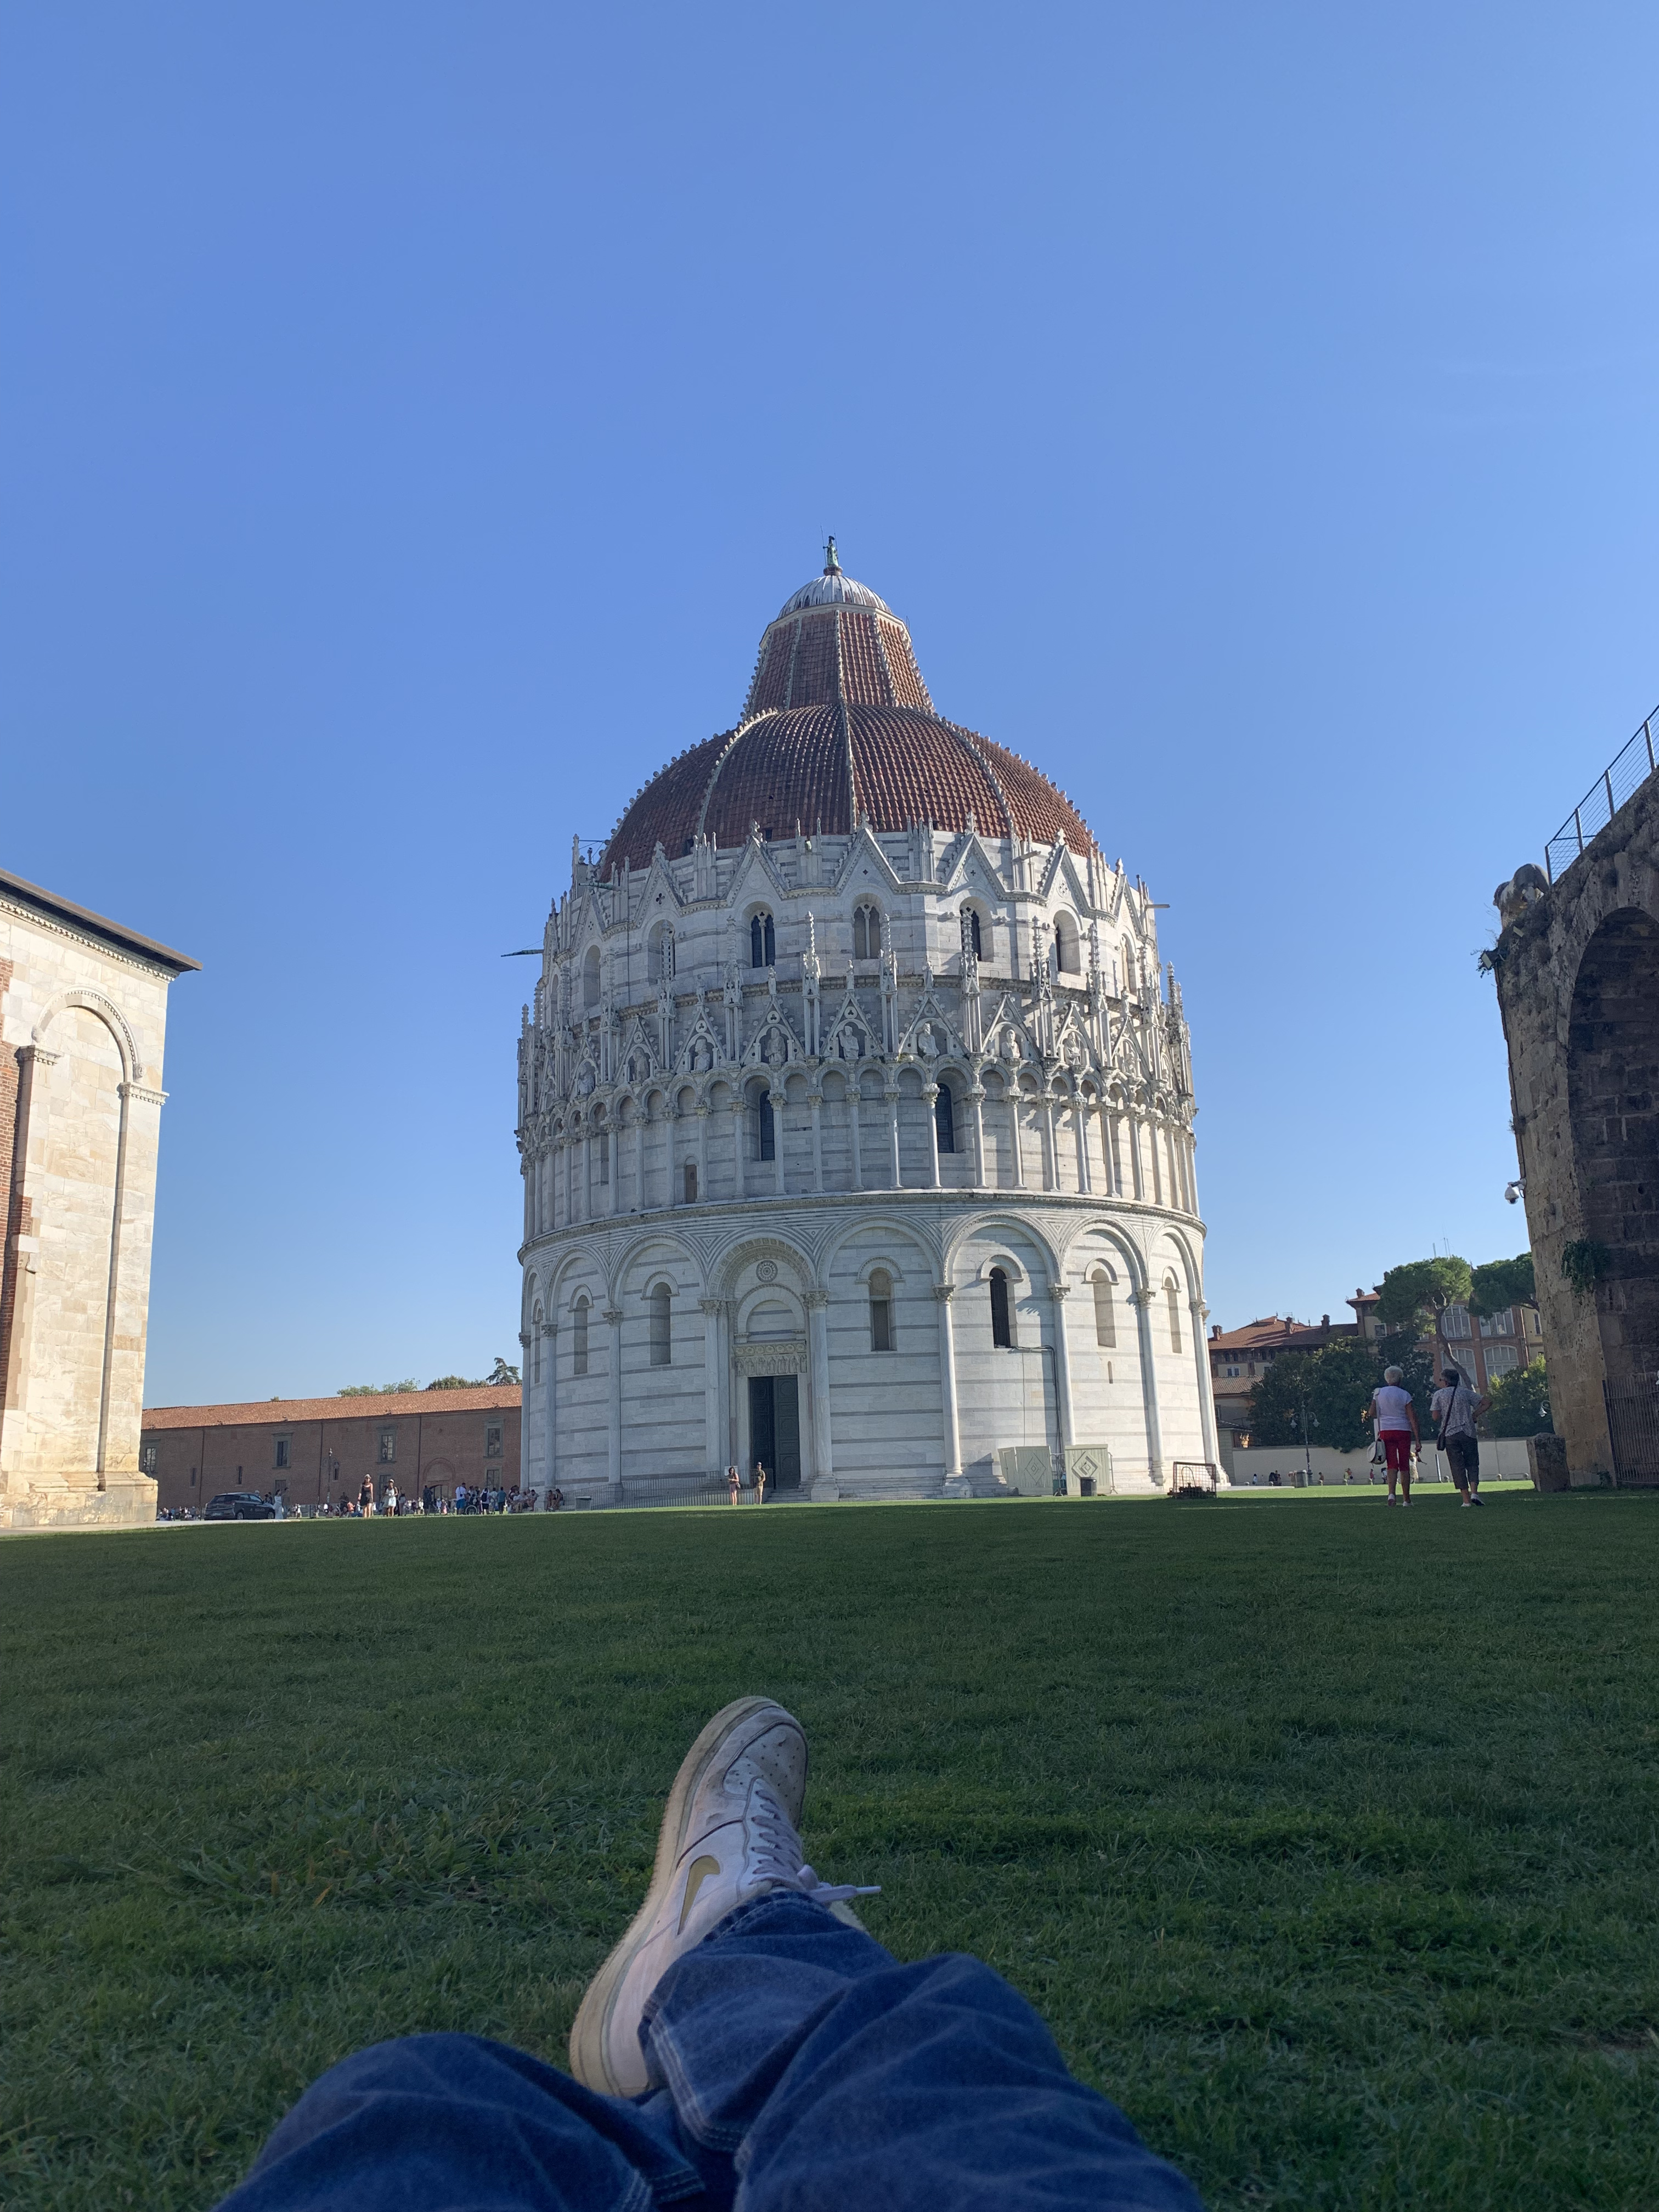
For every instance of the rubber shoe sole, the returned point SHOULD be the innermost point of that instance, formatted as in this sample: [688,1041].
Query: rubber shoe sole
[745,1719]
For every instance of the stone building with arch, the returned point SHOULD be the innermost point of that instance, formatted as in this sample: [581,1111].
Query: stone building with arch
[82,1019]
[855,1117]
[1577,966]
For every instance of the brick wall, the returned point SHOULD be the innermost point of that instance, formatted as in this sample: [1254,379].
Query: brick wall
[328,1458]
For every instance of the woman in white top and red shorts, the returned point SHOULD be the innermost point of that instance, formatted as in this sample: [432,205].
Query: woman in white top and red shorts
[1396,1426]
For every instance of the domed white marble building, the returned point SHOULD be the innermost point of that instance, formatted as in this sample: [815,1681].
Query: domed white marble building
[855,1121]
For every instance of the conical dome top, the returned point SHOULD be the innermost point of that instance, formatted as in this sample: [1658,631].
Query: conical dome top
[833,643]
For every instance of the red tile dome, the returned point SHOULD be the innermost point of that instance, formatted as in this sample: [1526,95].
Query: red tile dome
[838,725]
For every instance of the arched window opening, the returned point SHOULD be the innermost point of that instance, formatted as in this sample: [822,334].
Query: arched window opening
[536,1345]
[762,942]
[765,1129]
[881,1310]
[1067,955]
[1002,1331]
[1105,1311]
[603,1142]
[660,965]
[1173,1294]
[866,932]
[691,1174]
[591,976]
[944,1119]
[661,1340]
[578,1338]
[974,941]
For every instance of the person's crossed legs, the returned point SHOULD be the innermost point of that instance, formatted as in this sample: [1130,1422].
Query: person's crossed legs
[747,2042]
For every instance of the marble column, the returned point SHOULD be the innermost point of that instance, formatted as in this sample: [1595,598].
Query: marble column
[703,1151]
[1142,1300]
[815,1102]
[855,1110]
[714,1442]
[740,1149]
[1058,1291]
[976,1100]
[947,1368]
[613,1315]
[1019,1141]
[778,1104]
[1080,1140]
[550,1398]
[817,1357]
[641,1117]
[1199,1313]
[896,1181]
[930,1100]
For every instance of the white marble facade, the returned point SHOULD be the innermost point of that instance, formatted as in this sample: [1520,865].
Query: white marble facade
[869,1153]
[84,1006]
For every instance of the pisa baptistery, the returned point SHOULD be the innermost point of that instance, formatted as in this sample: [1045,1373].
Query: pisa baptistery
[856,1113]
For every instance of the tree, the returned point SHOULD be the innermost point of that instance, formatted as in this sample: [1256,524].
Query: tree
[377,1389]
[456,1383]
[1501,1284]
[1415,1296]
[1335,1384]
[503,1373]
[1520,1403]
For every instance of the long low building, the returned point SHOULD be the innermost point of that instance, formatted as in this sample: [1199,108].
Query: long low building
[317,1451]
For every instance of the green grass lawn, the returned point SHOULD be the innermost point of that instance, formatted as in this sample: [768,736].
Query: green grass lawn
[1327,1842]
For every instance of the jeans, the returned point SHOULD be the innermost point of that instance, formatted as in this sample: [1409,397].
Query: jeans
[794,2064]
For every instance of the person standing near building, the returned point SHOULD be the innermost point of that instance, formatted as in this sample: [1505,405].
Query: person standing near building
[732,1483]
[760,1484]
[366,1497]
[1456,1409]
[1396,1428]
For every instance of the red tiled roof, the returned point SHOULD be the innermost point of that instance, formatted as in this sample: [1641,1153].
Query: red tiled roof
[279,1412]
[838,725]
[1279,1335]
[792,768]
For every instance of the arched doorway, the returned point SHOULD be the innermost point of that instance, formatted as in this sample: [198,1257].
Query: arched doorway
[1612,1098]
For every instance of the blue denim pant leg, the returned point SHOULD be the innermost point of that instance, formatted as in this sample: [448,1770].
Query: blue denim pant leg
[834,2077]
[454,2123]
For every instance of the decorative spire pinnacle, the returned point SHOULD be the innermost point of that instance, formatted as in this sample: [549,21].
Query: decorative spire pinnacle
[831,562]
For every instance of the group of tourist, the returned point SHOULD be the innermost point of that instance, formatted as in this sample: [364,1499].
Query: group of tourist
[468,1497]
[1455,1410]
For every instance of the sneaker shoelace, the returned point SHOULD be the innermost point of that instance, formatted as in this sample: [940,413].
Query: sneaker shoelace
[777,1862]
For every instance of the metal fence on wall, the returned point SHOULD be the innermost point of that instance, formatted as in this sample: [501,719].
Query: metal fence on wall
[1633,1430]
[1616,783]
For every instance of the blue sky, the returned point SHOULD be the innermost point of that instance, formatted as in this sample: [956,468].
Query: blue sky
[410,417]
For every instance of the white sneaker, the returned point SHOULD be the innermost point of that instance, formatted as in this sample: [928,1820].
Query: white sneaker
[727,1834]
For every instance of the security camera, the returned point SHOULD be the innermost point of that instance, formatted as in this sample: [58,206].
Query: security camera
[1513,1190]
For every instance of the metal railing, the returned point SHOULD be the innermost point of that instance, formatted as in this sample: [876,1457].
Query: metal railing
[1633,1432]
[1625,775]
